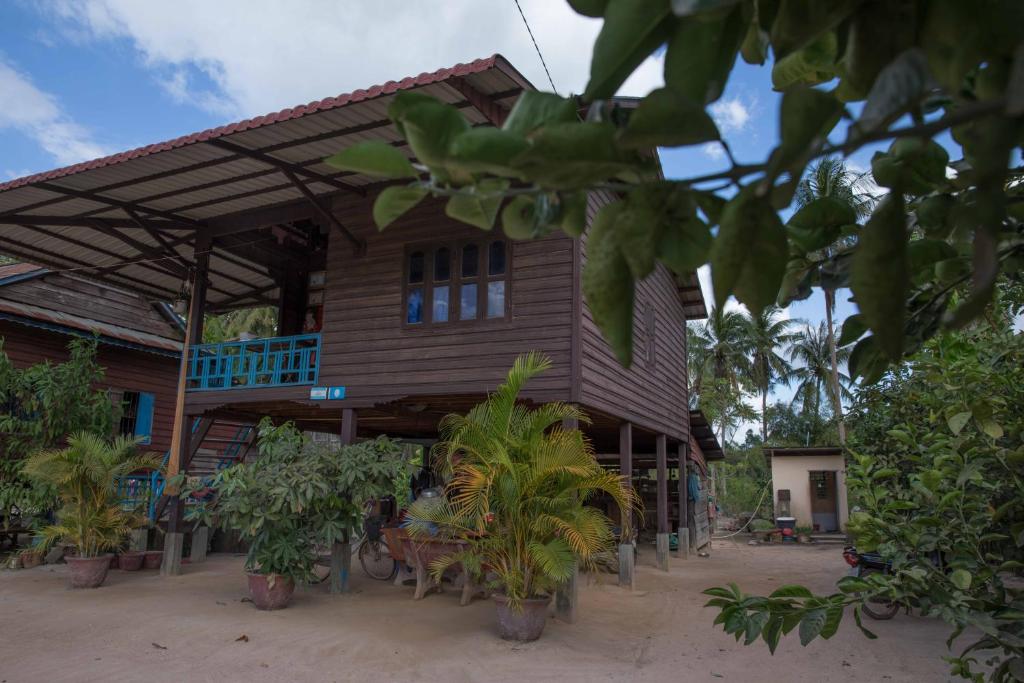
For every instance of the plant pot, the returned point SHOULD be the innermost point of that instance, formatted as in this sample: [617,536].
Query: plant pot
[267,597]
[525,625]
[113,561]
[131,561]
[31,559]
[88,572]
[153,559]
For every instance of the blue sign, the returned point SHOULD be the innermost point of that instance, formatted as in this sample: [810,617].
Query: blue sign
[326,393]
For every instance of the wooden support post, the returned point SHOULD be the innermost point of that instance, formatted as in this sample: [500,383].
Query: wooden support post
[182,430]
[568,594]
[684,524]
[627,539]
[200,541]
[661,540]
[349,426]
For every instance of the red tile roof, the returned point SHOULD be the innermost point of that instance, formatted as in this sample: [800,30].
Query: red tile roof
[388,88]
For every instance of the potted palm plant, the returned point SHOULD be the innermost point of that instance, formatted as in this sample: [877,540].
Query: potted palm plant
[91,517]
[518,484]
[296,497]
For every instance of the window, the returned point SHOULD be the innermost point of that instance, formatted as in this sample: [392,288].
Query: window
[452,283]
[137,415]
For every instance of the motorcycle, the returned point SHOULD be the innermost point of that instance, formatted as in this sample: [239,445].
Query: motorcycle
[865,564]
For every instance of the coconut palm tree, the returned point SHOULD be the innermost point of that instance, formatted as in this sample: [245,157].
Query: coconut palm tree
[718,349]
[830,177]
[813,371]
[84,475]
[517,485]
[766,335]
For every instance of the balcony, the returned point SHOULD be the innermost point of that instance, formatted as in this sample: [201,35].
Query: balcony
[254,364]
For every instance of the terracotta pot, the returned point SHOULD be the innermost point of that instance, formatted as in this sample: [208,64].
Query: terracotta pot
[31,559]
[88,572]
[268,597]
[153,559]
[132,560]
[113,561]
[525,625]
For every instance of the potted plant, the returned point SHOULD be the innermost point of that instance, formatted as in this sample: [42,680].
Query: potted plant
[518,482]
[31,557]
[90,517]
[131,560]
[295,497]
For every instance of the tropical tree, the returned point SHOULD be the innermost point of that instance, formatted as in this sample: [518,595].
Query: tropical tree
[718,348]
[518,481]
[812,371]
[765,334]
[260,321]
[84,475]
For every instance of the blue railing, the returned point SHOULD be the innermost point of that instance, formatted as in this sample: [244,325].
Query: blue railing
[144,490]
[271,362]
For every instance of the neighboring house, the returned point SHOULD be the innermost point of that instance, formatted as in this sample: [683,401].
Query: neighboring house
[139,342]
[381,332]
[809,484]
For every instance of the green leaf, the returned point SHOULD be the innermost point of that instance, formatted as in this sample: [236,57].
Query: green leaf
[867,360]
[754,48]
[631,31]
[818,224]
[430,127]
[856,618]
[701,54]
[961,578]
[487,150]
[791,591]
[958,421]
[748,258]
[798,23]
[812,65]
[589,8]
[853,329]
[608,284]
[479,204]
[833,617]
[517,218]
[899,87]
[666,118]
[805,118]
[911,166]
[375,158]
[574,213]
[771,632]
[534,109]
[684,245]
[879,275]
[395,201]
[812,624]
[575,155]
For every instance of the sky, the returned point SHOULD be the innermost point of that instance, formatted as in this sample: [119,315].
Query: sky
[85,78]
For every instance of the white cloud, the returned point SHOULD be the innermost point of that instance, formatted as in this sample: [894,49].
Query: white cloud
[255,58]
[731,115]
[37,114]
[713,151]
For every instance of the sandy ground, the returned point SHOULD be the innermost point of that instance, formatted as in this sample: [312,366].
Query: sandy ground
[139,627]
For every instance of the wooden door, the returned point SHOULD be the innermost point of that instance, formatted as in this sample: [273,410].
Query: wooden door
[824,501]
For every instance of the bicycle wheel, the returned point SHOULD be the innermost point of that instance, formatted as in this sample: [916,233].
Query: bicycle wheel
[376,560]
[322,565]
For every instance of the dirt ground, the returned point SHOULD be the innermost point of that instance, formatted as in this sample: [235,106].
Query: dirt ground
[140,627]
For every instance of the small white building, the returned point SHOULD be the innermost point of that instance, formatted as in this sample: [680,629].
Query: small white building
[809,483]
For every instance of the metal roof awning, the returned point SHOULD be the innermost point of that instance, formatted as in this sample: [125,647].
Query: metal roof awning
[132,218]
[705,437]
[771,451]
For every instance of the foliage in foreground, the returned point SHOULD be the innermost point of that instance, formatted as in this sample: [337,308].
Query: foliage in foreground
[39,406]
[518,485]
[84,476]
[921,68]
[938,473]
[297,495]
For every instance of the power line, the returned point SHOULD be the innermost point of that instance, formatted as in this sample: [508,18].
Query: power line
[536,47]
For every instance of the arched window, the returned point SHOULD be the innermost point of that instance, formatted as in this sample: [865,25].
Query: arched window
[447,284]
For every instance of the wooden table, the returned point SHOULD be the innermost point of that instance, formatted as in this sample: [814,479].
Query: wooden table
[421,552]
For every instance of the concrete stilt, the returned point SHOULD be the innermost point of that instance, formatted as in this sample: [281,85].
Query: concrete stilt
[174,541]
[140,540]
[684,542]
[200,541]
[341,565]
[661,551]
[627,563]
[567,598]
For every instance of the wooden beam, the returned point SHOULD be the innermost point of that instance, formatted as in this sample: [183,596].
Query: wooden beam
[101,199]
[626,472]
[684,523]
[283,165]
[83,222]
[160,239]
[485,104]
[661,456]
[349,426]
[169,262]
[326,214]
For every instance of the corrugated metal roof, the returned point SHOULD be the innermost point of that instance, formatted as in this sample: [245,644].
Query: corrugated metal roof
[178,185]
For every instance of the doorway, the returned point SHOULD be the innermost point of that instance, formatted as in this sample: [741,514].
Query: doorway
[824,502]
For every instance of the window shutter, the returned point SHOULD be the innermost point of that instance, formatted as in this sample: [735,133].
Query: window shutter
[144,418]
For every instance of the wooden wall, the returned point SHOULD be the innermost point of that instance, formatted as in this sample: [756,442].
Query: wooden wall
[367,349]
[653,392]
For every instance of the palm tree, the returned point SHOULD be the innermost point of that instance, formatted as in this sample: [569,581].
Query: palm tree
[830,177]
[517,485]
[718,349]
[765,335]
[85,476]
[813,371]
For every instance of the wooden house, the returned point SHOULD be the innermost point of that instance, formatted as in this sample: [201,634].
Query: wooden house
[380,332]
